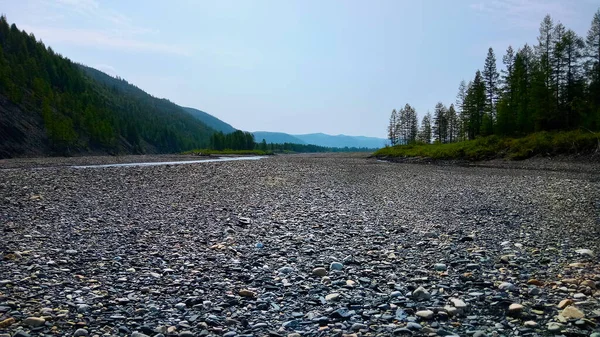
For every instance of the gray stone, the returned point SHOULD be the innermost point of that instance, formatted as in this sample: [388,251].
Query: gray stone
[440,267]
[425,314]
[34,321]
[421,294]
[414,326]
[358,326]
[81,333]
[83,308]
[320,271]
[336,266]
[507,286]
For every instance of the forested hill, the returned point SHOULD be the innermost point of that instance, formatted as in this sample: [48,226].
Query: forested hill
[210,120]
[50,105]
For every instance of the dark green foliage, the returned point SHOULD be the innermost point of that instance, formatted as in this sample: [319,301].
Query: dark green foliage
[541,143]
[554,87]
[238,140]
[84,109]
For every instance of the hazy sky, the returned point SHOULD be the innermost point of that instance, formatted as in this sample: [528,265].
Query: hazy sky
[293,66]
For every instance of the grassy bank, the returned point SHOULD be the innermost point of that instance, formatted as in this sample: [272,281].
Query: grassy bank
[207,152]
[541,143]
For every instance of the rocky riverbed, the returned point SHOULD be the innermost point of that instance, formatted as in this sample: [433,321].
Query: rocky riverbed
[298,246]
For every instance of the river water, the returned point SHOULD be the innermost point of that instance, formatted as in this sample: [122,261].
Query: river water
[171,162]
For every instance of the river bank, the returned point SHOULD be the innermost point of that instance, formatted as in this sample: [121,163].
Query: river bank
[308,245]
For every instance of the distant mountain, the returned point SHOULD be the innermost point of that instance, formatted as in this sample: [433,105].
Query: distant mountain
[210,120]
[322,139]
[276,137]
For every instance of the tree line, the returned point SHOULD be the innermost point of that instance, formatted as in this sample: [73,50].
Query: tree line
[554,85]
[82,109]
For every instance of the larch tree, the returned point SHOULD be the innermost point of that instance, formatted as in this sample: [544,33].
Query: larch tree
[461,97]
[440,123]
[592,53]
[412,123]
[425,131]
[453,126]
[490,78]
[392,127]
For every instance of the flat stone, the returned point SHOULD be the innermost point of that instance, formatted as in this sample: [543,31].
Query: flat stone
[572,312]
[414,326]
[333,297]
[359,326]
[80,333]
[458,303]
[320,271]
[586,252]
[247,293]
[535,282]
[515,308]
[336,266]
[507,286]
[554,326]
[34,321]
[425,314]
[440,267]
[564,303]
[589,283]
[530,324]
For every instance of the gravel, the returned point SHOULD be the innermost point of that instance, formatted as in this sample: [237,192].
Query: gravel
[301,245]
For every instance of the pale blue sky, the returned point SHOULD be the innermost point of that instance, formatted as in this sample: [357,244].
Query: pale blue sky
[293,66]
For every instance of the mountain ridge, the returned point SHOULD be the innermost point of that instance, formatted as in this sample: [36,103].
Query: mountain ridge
[321,139]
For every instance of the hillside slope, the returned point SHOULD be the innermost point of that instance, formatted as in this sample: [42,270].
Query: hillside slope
[276,137]
[50,105]
[210,120]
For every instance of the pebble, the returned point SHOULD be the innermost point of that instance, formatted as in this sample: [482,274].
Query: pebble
[572,312]
[564,303]
[426,314]
[421,294]
[336,266]
[586,252]
[333,297]
[359,326]
[414,326]
[515,308]
[554,326]
[458,303]
[247,293]
[440,267]
[320,271]
[34,321]
[507,286]
[153,228]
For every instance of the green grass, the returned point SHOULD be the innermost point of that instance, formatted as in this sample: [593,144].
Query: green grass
[541,143]
[208,152]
